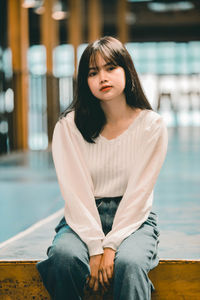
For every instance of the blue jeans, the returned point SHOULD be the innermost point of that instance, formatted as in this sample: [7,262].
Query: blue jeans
[65,270]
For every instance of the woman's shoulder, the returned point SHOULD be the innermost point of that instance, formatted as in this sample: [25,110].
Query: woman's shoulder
[153,125]
[66,120]
[67,123]
[67,117]
[151,115]
[152,118]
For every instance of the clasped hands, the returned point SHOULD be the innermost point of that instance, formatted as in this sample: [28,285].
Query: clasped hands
[101,270]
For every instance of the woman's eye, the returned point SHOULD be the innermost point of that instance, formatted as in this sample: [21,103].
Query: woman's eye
[111,68]
[91,74]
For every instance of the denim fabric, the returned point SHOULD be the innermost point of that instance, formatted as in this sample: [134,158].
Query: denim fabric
[65,270]
[107,208]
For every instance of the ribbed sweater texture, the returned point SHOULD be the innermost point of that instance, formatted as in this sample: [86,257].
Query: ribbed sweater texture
[127,166]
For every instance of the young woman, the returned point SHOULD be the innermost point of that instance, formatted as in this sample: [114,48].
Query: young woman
[108,148]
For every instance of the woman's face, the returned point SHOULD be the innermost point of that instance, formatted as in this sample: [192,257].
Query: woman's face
[105,80]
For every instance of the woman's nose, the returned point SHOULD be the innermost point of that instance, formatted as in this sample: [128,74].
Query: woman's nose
[102,76]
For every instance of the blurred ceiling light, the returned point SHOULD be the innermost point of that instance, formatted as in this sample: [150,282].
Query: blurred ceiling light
[39,8]
[139,0]
[28,3]
[32,3]
[130,18]
[59,11]
[171,6]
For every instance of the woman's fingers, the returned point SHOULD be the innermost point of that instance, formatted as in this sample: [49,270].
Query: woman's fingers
[96,286]
[102,267]
[91,282]
[107,265]
[101,278]
[105,277]
[102,282]
[94,268]
[110,273]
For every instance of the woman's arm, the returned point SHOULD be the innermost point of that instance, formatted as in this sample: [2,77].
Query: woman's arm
[136,203]
[76,187]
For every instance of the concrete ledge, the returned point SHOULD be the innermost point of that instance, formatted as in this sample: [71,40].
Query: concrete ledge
[173,279]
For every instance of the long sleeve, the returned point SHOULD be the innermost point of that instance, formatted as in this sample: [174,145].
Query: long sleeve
[136,203]
[76,187]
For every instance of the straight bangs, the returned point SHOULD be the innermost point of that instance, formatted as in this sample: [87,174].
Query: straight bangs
[106,55]
[110,51]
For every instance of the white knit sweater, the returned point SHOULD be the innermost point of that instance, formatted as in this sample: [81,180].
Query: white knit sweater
[127,166]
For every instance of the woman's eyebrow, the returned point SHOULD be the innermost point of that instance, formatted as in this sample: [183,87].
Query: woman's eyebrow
[93,68]
[96,68]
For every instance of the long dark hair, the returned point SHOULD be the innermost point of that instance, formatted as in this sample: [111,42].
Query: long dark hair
[89,116]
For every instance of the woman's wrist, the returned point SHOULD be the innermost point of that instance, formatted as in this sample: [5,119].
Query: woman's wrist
[107,249]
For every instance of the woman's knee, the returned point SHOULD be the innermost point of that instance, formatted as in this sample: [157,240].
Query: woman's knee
[64,271]
[61,254]
[70,254]
[132,263]
[66,254]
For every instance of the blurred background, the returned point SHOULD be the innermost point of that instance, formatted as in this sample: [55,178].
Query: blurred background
[41,42]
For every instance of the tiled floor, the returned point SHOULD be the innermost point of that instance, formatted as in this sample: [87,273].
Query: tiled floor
[177,195]
[29,192]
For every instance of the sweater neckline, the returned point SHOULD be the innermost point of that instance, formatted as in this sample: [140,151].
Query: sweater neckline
[125,132]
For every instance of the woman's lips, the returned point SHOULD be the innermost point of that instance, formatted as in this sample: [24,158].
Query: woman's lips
[105,88]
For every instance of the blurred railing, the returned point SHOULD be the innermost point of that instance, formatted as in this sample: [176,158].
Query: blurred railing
[6,114]
[47,98]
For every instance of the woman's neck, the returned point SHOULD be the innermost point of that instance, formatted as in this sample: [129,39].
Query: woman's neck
[116,110]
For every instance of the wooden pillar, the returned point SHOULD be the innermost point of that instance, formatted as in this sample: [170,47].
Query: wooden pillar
[49,29]
[49,33]
[18,41]
[75,26]
[121,21]
[94,20]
